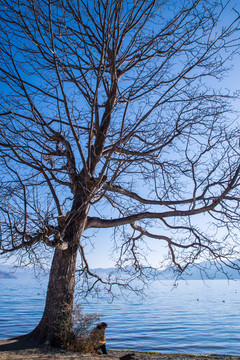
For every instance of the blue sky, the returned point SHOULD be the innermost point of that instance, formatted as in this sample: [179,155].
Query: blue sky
[100,255]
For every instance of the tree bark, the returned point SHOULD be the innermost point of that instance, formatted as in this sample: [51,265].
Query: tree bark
[55,327]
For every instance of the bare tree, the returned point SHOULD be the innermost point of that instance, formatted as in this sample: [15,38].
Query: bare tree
[109,120]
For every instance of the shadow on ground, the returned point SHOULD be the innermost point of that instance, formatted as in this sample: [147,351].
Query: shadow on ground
[17,344]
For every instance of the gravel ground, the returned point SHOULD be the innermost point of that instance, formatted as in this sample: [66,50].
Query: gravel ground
[15,350]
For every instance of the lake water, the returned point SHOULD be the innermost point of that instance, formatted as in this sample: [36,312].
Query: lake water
[194,317]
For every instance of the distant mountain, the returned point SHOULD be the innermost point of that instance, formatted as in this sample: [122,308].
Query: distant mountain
[213,271]
[205,270]
[5,275]
[21,273]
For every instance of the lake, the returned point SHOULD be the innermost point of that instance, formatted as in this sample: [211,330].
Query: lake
[195,317]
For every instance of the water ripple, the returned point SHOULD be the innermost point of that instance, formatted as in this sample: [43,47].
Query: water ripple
[192,318]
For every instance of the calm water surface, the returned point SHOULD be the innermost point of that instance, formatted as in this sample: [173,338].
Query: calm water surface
[194,317]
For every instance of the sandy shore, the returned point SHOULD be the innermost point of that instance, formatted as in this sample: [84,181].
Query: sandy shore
[15,350]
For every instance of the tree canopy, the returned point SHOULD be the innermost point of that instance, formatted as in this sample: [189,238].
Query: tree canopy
[111,95]
[112,116]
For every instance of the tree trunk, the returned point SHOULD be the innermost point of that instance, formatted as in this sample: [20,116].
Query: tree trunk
[55,327]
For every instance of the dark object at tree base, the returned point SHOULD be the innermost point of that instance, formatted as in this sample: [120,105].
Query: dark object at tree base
[130,356]
[104,349]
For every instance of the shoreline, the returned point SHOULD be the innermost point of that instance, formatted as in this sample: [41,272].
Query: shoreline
[16,350]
